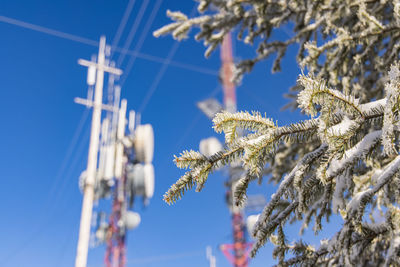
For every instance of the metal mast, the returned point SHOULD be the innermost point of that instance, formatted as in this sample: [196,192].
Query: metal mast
[88,191]
[115,252]
[227,74]
[236,253]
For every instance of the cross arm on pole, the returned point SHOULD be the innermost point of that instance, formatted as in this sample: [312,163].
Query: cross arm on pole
[105,68]
[89,103]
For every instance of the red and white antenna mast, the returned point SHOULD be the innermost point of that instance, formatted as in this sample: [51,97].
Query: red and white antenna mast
[116,249]
[227,74]
[238,252]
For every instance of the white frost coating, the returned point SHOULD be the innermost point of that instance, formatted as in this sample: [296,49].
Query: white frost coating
[324,242]
[375,176]
[391,89]
[389,171]
[287,180]
[306,98]
[258,140]
[392,94]
[353,153]
[342,127]
[331,243]
[373,105]
[303,98]
[394,245]
[337,199]
[383,179]
[355,201]
[394,73]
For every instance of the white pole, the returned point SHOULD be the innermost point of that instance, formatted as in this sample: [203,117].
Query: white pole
[103,148]
[88,193]
[119,154]
[210,257]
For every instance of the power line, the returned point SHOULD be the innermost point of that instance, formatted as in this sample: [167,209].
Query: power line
[161,72]
[189,128]
[174,63]
[122,24]
[48,31]
[157,79]
[142,38]
[132,32]
[86,41]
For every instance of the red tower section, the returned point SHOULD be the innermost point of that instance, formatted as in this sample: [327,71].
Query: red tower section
[115,255]
[238,252]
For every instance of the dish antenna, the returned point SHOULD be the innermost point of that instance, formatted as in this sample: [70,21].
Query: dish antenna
[141,180]
[131,220]
[251,222]
[210,146]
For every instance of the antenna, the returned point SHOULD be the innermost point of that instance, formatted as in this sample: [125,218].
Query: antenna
[91,74]
[238,252]
[118,165]
[131,121]
[89,183]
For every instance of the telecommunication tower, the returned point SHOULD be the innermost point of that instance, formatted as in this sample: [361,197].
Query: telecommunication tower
[119,165]
[237,252]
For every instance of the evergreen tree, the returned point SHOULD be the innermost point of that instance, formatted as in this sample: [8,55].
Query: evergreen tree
[345,158]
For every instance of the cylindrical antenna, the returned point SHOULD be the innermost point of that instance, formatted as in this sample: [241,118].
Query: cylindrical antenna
[131,122]
[91,74]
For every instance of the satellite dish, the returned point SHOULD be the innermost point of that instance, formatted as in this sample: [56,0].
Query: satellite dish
[141,180]
[210,146]
[131,220]
[251,222]
[144,143]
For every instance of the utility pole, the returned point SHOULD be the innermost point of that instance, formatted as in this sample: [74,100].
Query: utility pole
[88,192]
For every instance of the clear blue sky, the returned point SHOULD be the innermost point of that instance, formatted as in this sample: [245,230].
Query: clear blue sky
[40,76]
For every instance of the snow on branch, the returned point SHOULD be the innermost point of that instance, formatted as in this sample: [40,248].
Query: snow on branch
[346,155]
[310,185]
[228,123]
[317,93]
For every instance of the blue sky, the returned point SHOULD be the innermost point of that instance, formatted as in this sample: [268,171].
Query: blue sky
[41,161]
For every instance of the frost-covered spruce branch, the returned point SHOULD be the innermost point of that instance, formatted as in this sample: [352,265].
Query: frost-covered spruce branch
[251,146]
[322,176]
[347,47]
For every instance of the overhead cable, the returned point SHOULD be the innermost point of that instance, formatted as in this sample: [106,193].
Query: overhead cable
[132,32]
[142,38]
[122,24]
[161,72]
[86,41]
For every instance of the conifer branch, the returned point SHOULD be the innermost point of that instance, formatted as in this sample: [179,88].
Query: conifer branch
[346,48]
[317,93]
